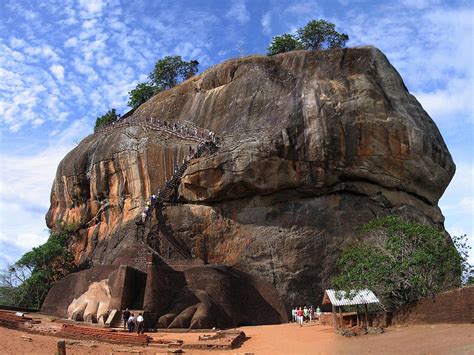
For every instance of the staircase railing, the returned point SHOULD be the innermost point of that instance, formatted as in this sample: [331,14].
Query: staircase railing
[205,146]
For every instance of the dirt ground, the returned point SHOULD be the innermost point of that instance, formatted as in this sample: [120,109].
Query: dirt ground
[277,339]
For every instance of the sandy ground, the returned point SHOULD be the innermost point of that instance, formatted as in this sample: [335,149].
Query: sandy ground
[278,339]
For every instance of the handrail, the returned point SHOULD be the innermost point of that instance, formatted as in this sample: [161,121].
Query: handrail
[168,188]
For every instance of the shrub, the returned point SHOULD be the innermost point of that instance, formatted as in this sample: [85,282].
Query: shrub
[109,117]
[400,261]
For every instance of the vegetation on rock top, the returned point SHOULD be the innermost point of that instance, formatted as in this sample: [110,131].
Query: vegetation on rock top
[167,73]
[316,35]
[109,117]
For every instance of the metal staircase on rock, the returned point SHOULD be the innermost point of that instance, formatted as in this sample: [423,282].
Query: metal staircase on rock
[165,193]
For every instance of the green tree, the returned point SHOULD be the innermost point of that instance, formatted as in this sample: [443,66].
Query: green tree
[27,282]
[284,43]
[110,116]
[462,246]
[400,261]
[142,93]
[172,70]
[321,34]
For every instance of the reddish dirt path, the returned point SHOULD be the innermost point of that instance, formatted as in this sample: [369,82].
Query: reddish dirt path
[280,339]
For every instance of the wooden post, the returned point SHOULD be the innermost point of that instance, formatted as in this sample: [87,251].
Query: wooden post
[340,318]
[334,316]
[61,347]
[366,318]
[357,310]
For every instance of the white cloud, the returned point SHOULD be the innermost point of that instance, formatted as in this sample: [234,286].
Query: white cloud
[71,42]
[16,42]
[266,22]
[25,183]
[92,7]
[58,71]
[419,4]
[304,8]
[238,11]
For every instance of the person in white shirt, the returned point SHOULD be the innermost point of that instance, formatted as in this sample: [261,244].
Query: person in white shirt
[140,324]
[131,323]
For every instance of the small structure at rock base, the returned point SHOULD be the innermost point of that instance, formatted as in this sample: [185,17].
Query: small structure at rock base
[351,299]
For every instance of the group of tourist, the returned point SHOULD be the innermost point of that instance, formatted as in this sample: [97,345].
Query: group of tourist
[171,183]
[177,127]
[133,323]
[304,314]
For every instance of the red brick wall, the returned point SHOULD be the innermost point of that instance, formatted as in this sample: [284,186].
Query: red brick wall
[454,306]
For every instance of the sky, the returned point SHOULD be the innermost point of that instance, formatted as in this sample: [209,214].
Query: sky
[65,62]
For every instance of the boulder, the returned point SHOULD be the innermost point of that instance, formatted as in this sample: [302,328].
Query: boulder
[312,144]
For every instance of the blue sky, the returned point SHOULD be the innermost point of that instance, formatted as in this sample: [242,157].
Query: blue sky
[64,62]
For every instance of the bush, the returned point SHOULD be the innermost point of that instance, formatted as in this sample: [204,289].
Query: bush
[172,70]
[321,34]
[400,261]
[316,35]
[282,44]
[109,117]
[167,73]
[141,94]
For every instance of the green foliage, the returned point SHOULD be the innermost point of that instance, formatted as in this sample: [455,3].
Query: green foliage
[282,44]
[400,261]
[167,73]
[142,93]
[110,116]
[316,35]
[462,246]
[321,34]
[27,282]
[171,70]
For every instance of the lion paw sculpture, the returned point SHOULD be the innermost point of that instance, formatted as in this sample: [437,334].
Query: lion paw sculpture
[93,305]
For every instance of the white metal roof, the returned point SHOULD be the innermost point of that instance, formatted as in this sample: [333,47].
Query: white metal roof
[340,298]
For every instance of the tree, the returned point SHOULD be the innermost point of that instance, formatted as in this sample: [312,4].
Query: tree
[316,35]
[27,282]
[167,73]
[321,34]
[282,44]
[400,261]
[462,246]
[142,93]
[110,116]
[172,70]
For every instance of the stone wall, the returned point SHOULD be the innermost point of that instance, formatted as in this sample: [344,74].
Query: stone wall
[454,306]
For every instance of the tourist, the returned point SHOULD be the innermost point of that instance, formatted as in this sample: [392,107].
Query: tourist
[318,313]
[131,323]
[311,313]
[143,217]
[294,314]
[300,316]
[125,316]
[140,324]
[305,313]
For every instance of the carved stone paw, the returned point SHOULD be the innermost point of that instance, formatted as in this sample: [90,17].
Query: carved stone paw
[193,309]
[92,306]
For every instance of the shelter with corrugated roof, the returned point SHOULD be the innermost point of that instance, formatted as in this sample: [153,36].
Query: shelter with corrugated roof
[351,300]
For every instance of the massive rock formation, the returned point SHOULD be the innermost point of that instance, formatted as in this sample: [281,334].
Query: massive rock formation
[313,144]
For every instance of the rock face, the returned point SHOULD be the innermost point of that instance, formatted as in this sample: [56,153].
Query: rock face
[313,144]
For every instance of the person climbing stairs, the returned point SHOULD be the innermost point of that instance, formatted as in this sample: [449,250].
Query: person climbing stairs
[205,146]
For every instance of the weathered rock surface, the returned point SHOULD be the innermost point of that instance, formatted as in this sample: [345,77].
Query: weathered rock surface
[313,145]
